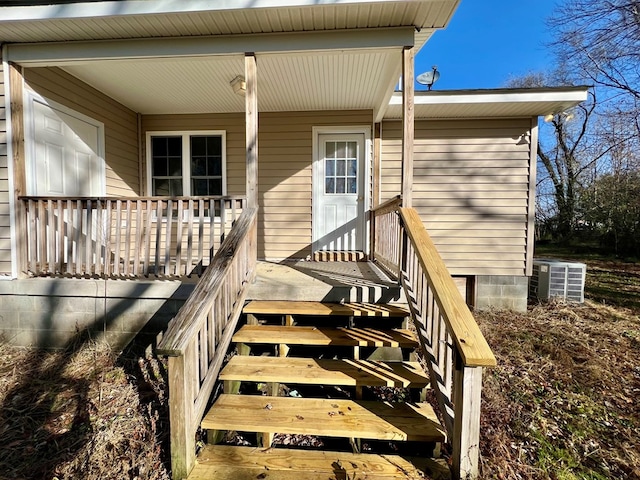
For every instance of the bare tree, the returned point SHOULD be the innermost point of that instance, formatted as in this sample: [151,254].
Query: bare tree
[600,39]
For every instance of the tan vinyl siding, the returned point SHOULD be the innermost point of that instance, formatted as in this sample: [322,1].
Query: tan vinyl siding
[284,177]
[471,188]
[284,168]
[121,124]
[5,225]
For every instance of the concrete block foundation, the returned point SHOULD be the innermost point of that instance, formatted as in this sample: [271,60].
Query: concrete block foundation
[54,312]
[502,292]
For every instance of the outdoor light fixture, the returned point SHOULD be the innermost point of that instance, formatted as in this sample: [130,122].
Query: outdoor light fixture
[239,85]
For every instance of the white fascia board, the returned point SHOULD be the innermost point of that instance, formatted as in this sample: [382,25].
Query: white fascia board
[144,7]
[68,53]
[572,95]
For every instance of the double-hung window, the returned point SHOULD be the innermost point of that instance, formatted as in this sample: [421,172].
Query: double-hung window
[186,163]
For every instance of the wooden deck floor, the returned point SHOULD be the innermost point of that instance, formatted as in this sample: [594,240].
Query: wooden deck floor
[324,282]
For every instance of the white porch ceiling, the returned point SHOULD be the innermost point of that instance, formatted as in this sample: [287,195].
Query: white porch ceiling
[301,81]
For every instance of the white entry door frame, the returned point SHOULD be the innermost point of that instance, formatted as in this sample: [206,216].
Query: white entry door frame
[339,204]
[64,150]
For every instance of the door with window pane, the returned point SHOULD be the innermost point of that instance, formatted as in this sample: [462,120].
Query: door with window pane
[338,209]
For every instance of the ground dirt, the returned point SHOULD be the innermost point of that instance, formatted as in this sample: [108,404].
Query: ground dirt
[561,404]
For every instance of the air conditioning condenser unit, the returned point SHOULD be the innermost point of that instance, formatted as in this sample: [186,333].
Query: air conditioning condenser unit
[557,279]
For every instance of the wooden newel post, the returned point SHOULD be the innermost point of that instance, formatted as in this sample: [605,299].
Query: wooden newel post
[251,122]
[407,125]
[467,392]
[183,442]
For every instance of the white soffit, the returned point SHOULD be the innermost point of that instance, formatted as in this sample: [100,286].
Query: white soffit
[286,82]
[171,18]
[489,103]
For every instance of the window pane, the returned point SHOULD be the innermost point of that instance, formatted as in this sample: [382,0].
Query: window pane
[161,186]
[176,187]
[352,185]
[174,146]
[198,146]
[341,149]
[351,149]
[159,167]
[214,166]
[340,170]
[340,185]
[215,186]
[214,146]
[330,149]
[330,186]
[159,146]
[353,168]
[330,168]
[175,167]
[199,187]
[199,166]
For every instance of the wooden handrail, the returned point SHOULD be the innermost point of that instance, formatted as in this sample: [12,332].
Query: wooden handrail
[198,338]
[182,327]
[464,330]
[453,346]
[389,206]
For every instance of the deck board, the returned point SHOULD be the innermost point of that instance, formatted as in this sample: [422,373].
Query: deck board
[325,372]
[325,417]
[275,307]
[249,463]
[346,337]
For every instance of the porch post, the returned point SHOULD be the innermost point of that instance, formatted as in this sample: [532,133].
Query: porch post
[251,122]
[407,125]
[16,98]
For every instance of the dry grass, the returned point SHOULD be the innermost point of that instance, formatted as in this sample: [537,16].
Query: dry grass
[78,414]
[563,401]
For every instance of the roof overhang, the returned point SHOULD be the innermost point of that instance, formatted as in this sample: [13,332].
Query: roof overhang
[496,103]
[176,56]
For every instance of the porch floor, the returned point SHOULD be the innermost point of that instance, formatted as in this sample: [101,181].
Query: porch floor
[324,282]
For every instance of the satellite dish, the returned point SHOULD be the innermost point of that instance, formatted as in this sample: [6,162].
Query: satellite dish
[429,78]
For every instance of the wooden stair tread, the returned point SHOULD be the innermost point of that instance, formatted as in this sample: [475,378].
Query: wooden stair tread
[325,417]
[275,307]
[325,372]
[248,463]
[350,337]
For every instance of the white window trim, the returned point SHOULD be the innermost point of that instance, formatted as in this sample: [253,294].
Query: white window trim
[30,144]
[186,156]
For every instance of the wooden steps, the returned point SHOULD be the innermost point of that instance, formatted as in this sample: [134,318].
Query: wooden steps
[274,307]
[250,463]
[355,421]
[344,337]
[306,371]
[324,417]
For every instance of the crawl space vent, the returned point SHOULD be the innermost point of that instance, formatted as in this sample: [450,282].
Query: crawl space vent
[557,279]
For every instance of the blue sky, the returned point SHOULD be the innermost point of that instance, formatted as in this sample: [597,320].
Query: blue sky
[487,42]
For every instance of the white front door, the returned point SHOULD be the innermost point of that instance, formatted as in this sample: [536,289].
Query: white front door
[65,152]
[339,192]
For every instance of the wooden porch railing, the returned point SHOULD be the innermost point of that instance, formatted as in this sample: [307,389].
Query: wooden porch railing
[453,346]
[125,237]
[197,339]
